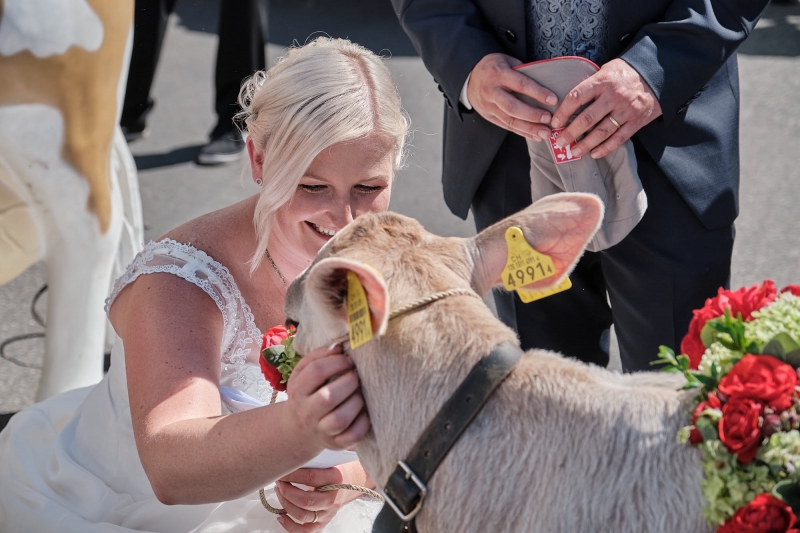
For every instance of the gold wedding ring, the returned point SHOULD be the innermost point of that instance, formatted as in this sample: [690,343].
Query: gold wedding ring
[614,122]
[316,517]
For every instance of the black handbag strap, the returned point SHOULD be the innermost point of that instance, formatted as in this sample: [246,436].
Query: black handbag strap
[406,487]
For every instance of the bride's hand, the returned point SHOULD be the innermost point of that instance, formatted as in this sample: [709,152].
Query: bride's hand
[301,504]
[325,402]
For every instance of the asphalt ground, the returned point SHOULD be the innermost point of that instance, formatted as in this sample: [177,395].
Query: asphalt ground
[174,189]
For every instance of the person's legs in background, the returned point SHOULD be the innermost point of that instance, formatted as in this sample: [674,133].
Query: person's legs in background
[666,267]
[243,26]
[149,27]
[575,322]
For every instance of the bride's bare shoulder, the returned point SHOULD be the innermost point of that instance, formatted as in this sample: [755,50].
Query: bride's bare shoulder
[223,234]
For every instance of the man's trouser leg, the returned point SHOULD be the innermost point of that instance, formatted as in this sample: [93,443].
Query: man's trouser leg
[149,26]
[242,37]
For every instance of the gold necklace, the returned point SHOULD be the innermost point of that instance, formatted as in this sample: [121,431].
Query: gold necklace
[275,268]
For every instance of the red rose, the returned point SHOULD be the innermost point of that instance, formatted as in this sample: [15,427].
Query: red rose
[692,345]
[274,336]
[763,378]
[271,373]
[695,437]
[738,428]
[794,289]
[765,514]
[744,300]
[748,299]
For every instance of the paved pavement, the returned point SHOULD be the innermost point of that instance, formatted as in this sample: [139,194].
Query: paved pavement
[175,190]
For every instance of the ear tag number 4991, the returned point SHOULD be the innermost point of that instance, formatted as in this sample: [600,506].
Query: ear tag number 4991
[525,266]
[358,317]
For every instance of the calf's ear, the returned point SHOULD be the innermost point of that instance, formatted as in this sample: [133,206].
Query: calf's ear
[559,226]
[326,293]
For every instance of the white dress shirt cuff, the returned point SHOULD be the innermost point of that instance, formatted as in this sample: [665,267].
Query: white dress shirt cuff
[463,98]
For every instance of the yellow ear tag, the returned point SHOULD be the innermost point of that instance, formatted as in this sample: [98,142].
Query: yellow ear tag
[527,296]
[358,317]
[525,266]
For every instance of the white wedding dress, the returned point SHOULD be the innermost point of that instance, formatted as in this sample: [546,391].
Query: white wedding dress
[69,464]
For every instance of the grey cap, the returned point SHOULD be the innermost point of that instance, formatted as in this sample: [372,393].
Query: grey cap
[613,178]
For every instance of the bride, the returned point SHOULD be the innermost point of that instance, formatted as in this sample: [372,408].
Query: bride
[156,446]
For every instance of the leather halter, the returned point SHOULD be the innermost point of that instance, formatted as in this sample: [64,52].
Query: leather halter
[406,488]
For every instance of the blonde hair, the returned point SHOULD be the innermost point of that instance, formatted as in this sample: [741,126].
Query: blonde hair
[326,92]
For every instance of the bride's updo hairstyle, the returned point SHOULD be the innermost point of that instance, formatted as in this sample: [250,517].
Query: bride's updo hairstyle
[320,94]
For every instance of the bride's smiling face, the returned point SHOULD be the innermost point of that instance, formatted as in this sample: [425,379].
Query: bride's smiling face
[344,181]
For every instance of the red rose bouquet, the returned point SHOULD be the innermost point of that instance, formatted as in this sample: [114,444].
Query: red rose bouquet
[742,355]
[278,357]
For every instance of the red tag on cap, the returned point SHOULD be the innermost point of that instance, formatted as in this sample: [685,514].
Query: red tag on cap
[561,155]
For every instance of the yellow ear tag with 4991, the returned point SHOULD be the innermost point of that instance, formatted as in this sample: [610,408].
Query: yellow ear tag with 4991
[358,317]
[525,266]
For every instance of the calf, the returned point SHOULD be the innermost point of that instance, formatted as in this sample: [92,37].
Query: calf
[561,446]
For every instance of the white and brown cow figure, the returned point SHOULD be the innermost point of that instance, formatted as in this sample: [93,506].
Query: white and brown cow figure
[561,446]
[68,189]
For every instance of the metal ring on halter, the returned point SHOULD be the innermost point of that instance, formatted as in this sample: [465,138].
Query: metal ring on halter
[316,517]
[614,122]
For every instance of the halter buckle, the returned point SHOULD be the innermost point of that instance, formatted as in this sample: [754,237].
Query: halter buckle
[423,491]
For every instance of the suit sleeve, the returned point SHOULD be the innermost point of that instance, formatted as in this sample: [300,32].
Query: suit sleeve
[451,38]
[679,55]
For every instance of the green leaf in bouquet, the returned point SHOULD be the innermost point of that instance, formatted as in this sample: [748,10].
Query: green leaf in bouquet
[788,491]
[713,414]
[288,359]
[666,357]
[273,354]
[753,348]
[780,345]
[691,381]
[712,330]
[707,429]
[793,358]
[725,330]
[709,383]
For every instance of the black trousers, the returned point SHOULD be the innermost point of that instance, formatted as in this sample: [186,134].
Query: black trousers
[666,267]
[240,52]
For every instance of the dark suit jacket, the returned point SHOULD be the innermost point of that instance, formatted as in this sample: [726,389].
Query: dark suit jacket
[684,49]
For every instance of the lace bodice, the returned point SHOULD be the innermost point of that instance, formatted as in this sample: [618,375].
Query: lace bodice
[241,338]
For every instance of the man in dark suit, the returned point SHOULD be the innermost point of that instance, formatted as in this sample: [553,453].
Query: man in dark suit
[668,81]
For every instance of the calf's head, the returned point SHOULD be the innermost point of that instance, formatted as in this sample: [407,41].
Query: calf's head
[417,360]
[397,261]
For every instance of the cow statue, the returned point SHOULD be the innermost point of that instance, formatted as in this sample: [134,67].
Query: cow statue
[68,189]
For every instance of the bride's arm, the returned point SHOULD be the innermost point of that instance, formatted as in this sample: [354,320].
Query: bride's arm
[172,331]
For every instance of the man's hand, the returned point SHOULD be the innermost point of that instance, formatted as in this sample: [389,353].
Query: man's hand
[490,93]
[616,91]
